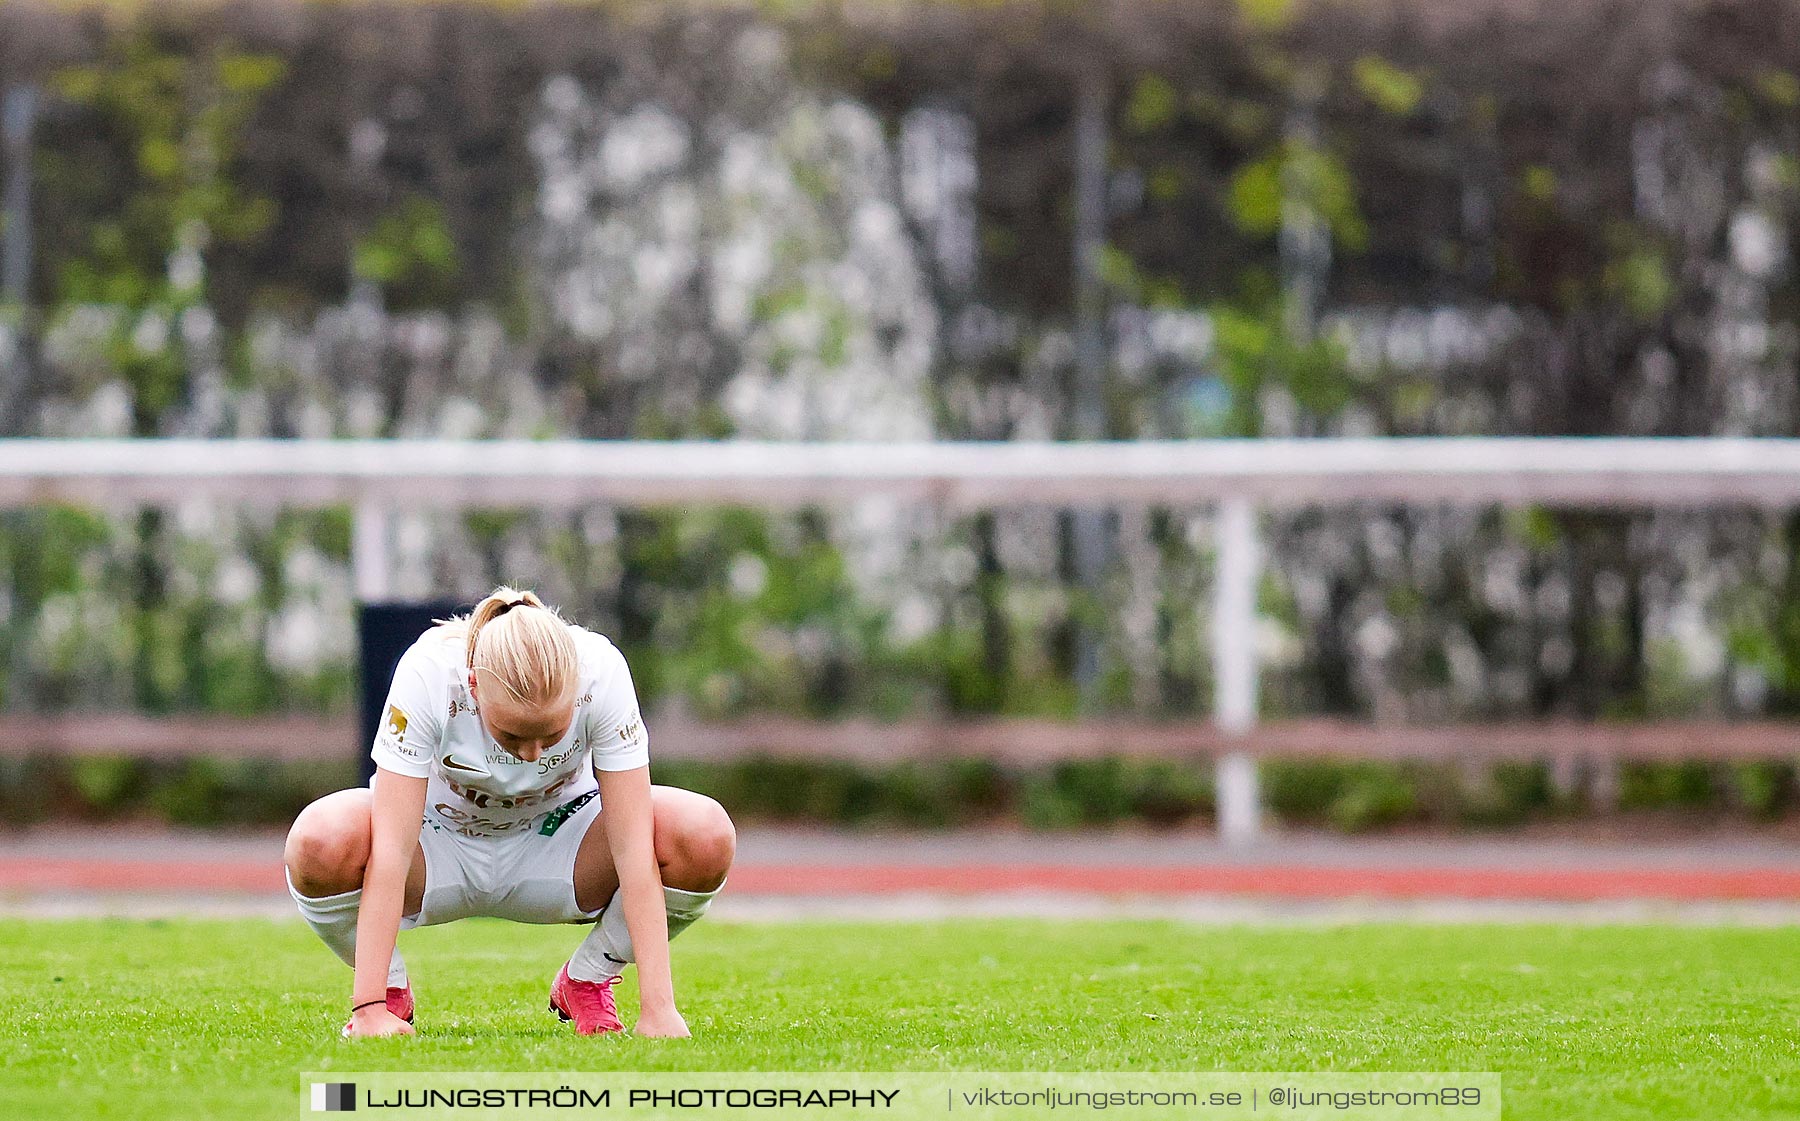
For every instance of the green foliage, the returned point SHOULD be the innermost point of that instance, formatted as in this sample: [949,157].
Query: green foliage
[1690,785]
[1390,88]
[1353,797]
[1638,277]
[1302,175]
[1536,527]
[1365,796]
[1168,793]
[1780,87]
[26,786]
[104,627]
[1762,625]
[970,684]
[411,254]
[1373,797]
[1267,15]
[1153,104]
[183,119]
[1765,790]
[213,792]
[105,782]
[1347,797]
[1671,688]
[1410,401]
[1513,794]
[1113,790]
[1255,349]
[759,614]
[1256,196]
[1538,183]
[53,555]
[951,792]
[912,795]
[45,547]
[1167,183]
[186,117]
[1120,272]
[1093,790]
[329,531]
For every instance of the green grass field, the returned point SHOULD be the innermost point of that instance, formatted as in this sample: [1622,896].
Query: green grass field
[129,1019]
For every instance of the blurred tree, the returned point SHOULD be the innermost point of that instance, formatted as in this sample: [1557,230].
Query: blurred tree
[152,189]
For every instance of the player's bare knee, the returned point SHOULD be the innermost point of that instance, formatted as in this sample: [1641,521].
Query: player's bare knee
[720,839]
[705,844]
[325,854]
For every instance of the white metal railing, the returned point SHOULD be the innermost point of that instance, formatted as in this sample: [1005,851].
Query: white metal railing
[567,472]
[377,476]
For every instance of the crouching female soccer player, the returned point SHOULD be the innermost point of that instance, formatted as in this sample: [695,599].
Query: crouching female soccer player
[515,739]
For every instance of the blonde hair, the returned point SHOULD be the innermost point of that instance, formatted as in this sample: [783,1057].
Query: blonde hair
[513,638]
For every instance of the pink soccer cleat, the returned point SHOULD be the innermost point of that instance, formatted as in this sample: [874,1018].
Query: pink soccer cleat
[589,1003]
[400,1003]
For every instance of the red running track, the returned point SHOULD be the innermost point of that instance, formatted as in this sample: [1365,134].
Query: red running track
[1278,881]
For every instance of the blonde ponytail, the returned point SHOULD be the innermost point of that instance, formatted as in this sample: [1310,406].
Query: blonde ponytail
[513,639]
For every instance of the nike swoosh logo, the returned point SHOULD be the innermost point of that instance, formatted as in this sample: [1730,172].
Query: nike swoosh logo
[451,762]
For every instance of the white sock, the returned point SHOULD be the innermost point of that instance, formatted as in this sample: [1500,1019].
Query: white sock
[605,952]
[333,919]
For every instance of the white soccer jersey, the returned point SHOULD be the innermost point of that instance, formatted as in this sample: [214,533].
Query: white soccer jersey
[431,729]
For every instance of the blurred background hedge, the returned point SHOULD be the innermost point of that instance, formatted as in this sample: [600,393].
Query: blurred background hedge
[834,221]
[1104,793]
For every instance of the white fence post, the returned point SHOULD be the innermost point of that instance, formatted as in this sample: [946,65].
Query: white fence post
[1234,667]
[371,562]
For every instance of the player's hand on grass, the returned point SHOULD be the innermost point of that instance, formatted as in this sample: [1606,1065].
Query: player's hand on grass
[375,1020]
[662,1024]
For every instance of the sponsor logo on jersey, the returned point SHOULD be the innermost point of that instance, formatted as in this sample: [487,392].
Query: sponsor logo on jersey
[454,763]
[555,818]
[393,733]
[548,763]
[474,825]
[487,800]
[632,730]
